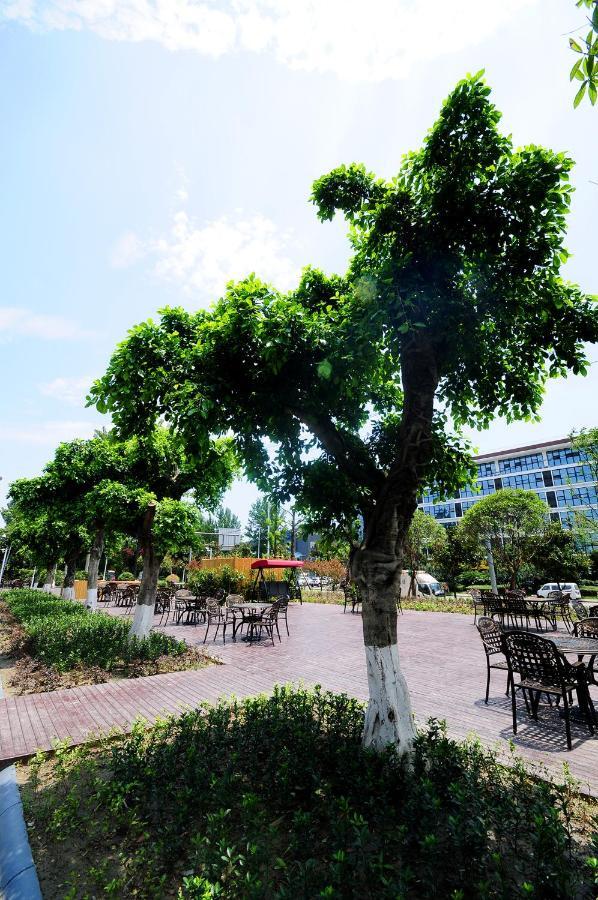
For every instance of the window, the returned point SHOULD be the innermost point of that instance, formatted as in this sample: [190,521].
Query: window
[521,463]
[572,474]
[467,504]
[566,455]
[487,468]
[443,511]
[585,496]
[527,482]
[485,486]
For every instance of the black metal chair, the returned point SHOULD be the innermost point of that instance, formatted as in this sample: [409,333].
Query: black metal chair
[557,604]
[543,670]
[579,609]
[491,635]
[352,597]
[283,612]
[269,621]
[216,617]
[588,628]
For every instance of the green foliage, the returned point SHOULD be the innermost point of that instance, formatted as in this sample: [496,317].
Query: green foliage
[65,635]
[556,557]
[513,521]
[453,289]
[585,68]
[453,561]
[207,581]
[274,797]
[267,527]
[425,537]
[126,576]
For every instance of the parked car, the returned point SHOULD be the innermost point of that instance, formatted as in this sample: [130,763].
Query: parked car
[567,587]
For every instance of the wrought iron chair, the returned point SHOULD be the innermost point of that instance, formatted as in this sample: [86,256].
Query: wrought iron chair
[542,670]
[283,612]
[352,597]
[588,628]
[491,635]
[269,621]
[216,617]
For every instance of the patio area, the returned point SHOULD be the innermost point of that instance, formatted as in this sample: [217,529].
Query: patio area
[443,661]
[441,655]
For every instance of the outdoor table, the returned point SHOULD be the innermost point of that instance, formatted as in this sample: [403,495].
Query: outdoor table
[246,609]
[566,643]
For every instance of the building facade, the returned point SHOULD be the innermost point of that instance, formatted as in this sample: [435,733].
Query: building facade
[558,474]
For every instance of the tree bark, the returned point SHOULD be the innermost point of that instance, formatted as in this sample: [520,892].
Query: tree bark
[93,566]
[48,579]
[68,586]
[144,610]
[376,565]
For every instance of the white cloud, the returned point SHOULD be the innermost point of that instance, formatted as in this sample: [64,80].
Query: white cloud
[69,390]
[47,433]
[203,258]
[355,40]
[18,321]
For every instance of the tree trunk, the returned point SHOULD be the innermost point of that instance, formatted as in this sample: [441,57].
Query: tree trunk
[68,586]
[144,610]
[48,579]
[293,534]
[377,565]
[93,566]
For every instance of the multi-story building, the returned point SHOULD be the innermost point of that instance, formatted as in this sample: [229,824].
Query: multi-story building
[558,474]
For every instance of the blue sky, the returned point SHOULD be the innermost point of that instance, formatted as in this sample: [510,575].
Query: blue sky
[153,150]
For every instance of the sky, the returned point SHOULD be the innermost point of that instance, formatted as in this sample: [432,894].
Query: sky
[154,149]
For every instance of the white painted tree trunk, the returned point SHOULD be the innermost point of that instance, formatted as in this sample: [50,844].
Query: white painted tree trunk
[388,718]
[142,620]
[68,593]
[93,565]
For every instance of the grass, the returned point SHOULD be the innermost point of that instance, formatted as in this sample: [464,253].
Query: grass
[447,604]
[274,798]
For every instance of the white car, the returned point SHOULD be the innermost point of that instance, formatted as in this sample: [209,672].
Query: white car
[567,587]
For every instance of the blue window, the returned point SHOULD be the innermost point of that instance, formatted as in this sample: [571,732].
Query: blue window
[585,496]
[467,504]
[566,455]
[444,511]
[521,463]
[487,468]
[526,482]
[485,486]
[572,474]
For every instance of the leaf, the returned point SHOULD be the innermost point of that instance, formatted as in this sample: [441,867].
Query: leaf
[593,92]
[324,369]
[575,70]
[579,96]
[575,46]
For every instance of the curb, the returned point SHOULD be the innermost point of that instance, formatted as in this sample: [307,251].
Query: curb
[18,875]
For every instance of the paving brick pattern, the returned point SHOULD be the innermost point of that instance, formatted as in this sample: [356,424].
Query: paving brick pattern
[441,656]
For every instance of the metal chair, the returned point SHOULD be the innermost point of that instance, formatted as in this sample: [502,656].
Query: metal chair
[579,609]
[217,617]
[269,621]
[491,635]
[588,628]
[542,670]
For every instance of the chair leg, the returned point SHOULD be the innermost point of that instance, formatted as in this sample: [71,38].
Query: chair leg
[487,680]
[514,710]
[567,719]
[206,634]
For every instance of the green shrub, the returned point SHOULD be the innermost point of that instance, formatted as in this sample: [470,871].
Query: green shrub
[126,576]
[64,634]
[207,581]
[274,797]
[81,575]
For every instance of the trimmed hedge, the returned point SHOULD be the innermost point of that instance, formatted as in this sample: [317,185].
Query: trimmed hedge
[64,634]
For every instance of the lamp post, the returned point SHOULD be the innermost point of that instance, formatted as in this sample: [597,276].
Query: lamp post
[5,559]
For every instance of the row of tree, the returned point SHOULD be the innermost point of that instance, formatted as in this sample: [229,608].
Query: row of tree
[146,487]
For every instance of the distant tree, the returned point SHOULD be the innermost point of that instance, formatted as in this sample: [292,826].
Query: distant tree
[424,538]
[454,557]
[556,556]
[511,522]
[585,69]
[267,527]
[452,305]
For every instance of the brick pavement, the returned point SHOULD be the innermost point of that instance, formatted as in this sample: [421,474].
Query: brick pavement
[441,656]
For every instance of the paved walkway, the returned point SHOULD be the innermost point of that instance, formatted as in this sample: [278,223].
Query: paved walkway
[441,656]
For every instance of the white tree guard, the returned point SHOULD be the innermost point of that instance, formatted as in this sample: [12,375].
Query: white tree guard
[143,620]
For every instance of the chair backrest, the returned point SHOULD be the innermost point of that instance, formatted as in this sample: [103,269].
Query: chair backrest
[534,657]
[555,595]
[234,599]
[491,635]
[593,611]
[587,627]
[580,610]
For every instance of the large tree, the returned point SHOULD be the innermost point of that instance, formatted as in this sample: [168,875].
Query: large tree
[452,303]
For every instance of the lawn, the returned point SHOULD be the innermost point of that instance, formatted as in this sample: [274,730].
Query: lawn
[273,797]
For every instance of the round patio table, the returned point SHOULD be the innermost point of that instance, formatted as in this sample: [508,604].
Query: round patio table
[248,619]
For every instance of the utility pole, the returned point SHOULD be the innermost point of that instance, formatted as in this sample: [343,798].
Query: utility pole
[5,559]
[268,530]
